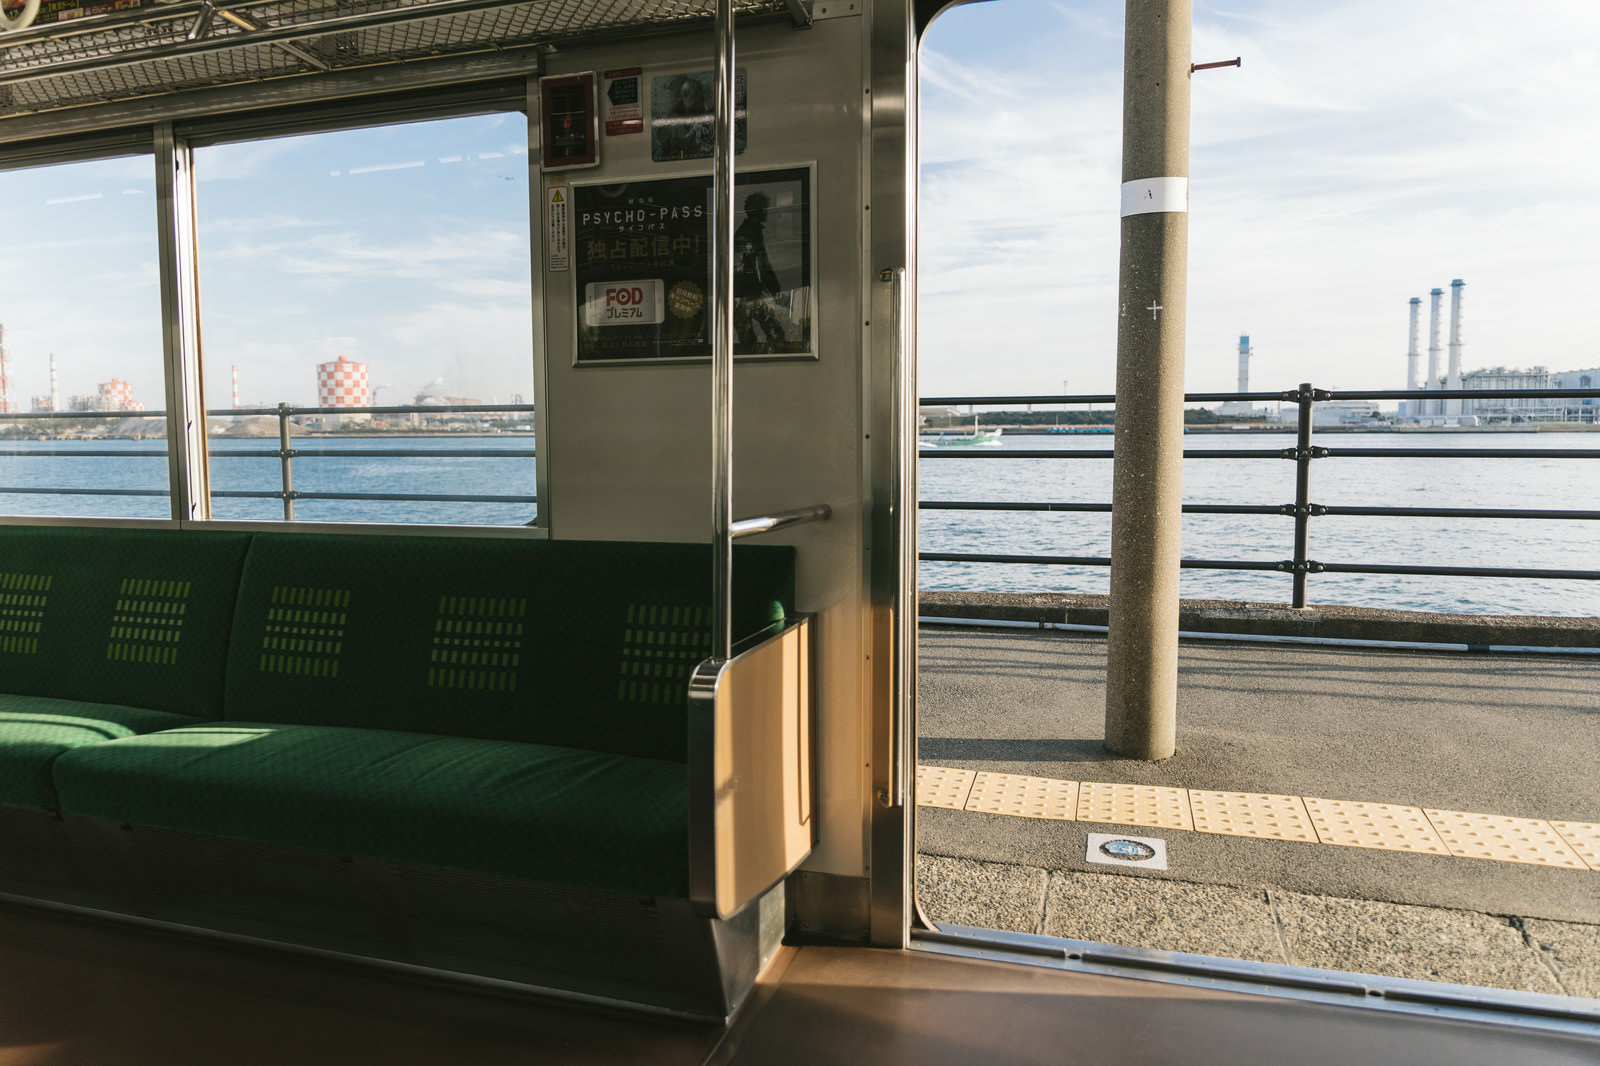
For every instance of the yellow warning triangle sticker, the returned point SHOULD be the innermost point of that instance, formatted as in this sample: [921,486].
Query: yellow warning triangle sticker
[556,198]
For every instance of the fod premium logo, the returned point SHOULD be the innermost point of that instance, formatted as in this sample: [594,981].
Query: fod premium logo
[624,303]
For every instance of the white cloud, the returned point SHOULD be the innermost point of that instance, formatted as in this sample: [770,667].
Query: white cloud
[1363,154]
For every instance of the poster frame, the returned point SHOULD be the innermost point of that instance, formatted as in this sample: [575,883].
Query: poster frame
[574,289]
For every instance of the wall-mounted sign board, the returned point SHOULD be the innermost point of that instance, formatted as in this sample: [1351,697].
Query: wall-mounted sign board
[569,121]
[641,265]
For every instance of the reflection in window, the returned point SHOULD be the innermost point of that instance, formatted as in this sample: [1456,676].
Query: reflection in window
[81,389]
[362,270]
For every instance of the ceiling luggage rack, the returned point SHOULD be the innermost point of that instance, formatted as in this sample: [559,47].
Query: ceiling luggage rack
[172,47]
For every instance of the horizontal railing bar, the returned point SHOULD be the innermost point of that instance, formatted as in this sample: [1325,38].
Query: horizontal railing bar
[1336,510]
[85,492]
[1461,453]
[749,527]
[1098,453]
[378,453]
[45,416]
[1091,560]
[1320,510]
[402,409]
[95,453]
[1094,508]
[407,497]
[1282,567]
[1285,395]
[1455,571]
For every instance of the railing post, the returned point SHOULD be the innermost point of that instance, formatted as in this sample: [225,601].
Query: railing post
[286,461]
[1305,398]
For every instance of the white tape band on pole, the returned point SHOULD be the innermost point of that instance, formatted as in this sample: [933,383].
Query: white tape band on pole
[1150,195]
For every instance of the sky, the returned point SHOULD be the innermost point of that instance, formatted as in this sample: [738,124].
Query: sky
[1364,153]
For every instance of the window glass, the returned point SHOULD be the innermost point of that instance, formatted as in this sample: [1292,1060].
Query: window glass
[351,273]
[81,393]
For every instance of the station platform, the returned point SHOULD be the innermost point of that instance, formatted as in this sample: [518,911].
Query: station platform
[1421,814]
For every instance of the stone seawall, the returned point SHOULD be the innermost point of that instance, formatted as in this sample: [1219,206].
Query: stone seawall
[1265,619]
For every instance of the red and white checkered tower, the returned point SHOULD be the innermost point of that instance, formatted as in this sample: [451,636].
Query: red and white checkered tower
[117,395]
[8,406]
[342,383]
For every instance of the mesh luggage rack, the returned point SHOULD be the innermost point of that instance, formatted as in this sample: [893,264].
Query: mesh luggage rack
[149,51]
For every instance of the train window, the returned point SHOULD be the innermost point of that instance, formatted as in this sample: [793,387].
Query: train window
[365,294]
[81,384]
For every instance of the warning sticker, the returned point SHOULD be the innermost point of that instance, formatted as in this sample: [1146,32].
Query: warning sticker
[624,108]
[558,245]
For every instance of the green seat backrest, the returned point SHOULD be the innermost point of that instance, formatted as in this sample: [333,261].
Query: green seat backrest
[586,644]
[138,617]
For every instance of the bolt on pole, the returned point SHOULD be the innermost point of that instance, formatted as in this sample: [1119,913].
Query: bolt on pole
[1147,480]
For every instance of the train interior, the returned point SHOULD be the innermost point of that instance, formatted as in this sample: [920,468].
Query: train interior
[515,756]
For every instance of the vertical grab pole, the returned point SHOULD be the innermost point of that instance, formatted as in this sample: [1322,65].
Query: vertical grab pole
[1302,492]
[722,343]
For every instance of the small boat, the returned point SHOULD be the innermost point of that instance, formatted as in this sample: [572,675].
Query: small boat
[978,438]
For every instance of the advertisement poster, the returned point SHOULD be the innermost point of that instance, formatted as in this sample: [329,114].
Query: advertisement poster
[642,267]
[680,115]
[624,111]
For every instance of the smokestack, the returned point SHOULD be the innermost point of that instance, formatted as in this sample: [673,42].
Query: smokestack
[236,388]
[5,376]
[1432,407]
[1412,355]
[1244,363]
[55,387]
[1454,381]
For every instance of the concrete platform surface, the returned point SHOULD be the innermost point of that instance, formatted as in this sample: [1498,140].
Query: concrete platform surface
[1508,735]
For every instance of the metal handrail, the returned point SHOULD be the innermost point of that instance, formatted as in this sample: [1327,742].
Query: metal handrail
[1302,510]
[749,527]
[284,453]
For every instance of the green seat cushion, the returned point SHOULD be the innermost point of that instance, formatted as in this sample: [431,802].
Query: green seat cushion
[582,644]
[519,810]
[135,617]
[34,730]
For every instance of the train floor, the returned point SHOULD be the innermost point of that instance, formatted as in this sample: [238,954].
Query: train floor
[1415,814]
[81,993]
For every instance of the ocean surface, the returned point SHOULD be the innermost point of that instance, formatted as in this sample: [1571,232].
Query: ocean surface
[1567,484]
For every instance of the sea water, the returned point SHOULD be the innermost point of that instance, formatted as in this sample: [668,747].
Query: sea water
[1465,481]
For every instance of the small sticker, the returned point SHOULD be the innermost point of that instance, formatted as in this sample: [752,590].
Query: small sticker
[624,106]
[1114,849]
[559,243]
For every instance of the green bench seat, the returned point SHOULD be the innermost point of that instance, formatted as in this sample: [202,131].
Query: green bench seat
[533,811]
[36,730]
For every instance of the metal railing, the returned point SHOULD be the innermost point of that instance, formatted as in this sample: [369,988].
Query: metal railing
[286,453]
[1302,510]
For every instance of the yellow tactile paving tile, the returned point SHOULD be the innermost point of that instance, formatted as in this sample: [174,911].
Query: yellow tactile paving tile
[1384,826]
[1496,836]
[1251,814]
[1023,797]
[1152,805]
[1584,837]
[943,786]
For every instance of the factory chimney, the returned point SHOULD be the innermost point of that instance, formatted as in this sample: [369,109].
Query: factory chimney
[55,386]
[236,388]
[1433,407]
[1412,355]
[1454,381]
[6,405]
[1244,363]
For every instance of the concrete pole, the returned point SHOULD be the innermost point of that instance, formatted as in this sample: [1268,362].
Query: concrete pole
[1147,481]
